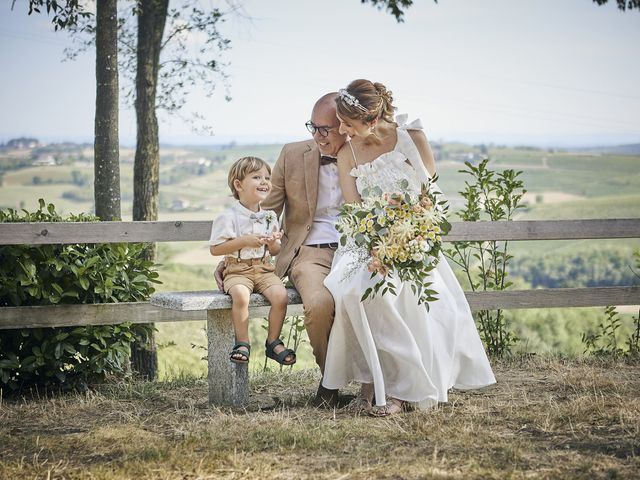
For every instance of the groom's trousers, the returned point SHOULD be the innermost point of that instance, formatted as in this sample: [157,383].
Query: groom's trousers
[308,270]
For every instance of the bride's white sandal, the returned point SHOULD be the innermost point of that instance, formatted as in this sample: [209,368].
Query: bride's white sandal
[363,400]
[392,407]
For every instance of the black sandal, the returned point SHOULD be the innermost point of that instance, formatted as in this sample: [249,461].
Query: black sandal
[245,353]
[268,351]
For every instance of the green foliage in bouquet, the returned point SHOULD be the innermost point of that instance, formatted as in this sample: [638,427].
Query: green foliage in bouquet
[398,235]
[68,274]
[495,197]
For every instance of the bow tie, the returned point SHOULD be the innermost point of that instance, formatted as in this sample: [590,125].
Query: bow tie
[259,216]
[327,160]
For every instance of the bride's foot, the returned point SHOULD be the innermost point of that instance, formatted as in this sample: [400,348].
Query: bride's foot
[364,399]
[392,407]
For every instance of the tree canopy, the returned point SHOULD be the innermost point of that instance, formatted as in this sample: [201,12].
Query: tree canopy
[397,8]
[622,4]
[64,14]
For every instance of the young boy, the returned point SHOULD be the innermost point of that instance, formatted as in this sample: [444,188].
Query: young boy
[247,235]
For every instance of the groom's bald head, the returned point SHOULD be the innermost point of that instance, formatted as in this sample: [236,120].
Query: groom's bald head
[327,102]
[324,115]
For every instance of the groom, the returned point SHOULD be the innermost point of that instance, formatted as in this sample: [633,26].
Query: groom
[305,184]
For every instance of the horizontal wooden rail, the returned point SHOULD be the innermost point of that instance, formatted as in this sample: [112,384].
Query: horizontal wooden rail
[91,314]
[554,298]
[143,312]
[179,231]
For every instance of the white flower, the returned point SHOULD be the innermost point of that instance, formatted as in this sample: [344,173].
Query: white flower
[417,257]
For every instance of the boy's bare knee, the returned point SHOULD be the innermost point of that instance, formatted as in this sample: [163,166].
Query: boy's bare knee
[277,295]
[240,295]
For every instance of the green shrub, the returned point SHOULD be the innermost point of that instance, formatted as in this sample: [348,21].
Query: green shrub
[605,340]
[68,274]
[489,196]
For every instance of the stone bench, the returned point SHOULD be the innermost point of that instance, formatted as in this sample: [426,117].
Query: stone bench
[228,381]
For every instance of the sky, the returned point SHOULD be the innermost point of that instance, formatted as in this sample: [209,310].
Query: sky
[517,72]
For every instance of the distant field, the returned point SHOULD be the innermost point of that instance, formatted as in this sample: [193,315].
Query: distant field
[620,206]
[55,174]
[560,181]
[27,197]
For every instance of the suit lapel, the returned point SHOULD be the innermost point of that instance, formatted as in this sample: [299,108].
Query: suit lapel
[311,173]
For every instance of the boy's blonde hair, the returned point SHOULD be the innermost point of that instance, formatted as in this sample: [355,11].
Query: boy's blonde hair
[243,167]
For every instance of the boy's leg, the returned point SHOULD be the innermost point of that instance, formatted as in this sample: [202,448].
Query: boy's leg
[240,315]
[277,296]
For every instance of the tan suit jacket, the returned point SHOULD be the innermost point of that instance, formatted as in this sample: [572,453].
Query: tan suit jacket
[295,190]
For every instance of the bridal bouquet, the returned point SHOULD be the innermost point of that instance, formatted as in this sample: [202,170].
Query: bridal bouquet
[397,234]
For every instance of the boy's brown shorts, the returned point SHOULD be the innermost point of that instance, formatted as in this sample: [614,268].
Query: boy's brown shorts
[255,274]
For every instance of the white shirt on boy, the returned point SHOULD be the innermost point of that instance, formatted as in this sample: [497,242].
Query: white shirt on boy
[238,220]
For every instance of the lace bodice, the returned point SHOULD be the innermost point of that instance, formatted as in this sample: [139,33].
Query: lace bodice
[391,168]
[387,172]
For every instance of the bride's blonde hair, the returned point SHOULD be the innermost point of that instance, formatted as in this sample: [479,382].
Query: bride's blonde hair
[366,101]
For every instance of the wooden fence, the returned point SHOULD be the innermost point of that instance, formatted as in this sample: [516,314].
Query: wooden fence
[172,231]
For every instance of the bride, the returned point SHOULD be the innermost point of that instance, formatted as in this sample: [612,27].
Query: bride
[400,352]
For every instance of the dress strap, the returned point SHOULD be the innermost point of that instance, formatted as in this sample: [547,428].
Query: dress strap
[355,161]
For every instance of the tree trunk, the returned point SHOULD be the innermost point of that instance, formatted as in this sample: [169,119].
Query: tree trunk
[146,170]
[106,147]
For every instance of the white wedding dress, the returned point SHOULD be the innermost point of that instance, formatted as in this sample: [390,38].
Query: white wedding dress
[407,352]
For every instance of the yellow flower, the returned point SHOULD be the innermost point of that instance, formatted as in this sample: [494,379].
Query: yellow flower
[390,213]
[370,224]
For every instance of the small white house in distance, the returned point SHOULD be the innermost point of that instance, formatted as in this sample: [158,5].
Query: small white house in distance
[44,161]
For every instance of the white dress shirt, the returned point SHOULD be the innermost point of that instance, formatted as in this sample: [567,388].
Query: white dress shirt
[329,201]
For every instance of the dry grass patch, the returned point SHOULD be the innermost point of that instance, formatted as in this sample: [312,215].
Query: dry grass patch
[546,418]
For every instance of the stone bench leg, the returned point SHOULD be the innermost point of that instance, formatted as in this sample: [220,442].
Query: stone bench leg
[228,381]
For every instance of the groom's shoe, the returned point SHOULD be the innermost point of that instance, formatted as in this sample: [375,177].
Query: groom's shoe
[325,398]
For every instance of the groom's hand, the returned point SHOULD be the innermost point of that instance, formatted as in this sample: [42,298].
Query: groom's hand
[217,274]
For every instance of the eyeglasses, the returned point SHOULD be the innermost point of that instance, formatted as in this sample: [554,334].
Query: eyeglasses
[323,131]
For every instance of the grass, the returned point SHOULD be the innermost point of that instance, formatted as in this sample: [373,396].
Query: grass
[546,418]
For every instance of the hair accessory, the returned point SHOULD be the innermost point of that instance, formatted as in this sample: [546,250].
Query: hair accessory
[349,99]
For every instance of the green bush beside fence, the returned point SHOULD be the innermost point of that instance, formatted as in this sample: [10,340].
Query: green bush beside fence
[68,274]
